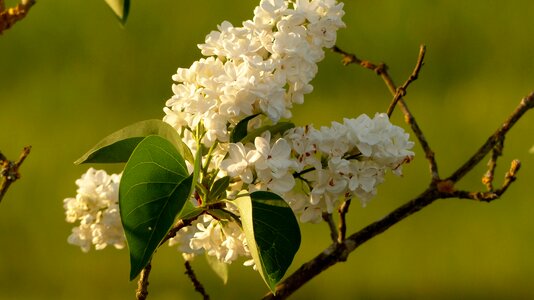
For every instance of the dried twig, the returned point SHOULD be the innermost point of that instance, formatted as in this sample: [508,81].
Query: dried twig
[401,91]
[342,229]
[437,189]
[198,286]
[382,71]
[487,179]
[526,104]
[331,225]
[11,15]
[142,285]
[9,170]
[181,223]
[492,195]
[338,252]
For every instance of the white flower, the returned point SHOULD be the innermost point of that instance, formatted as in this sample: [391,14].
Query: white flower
[96,208]
[273,164]
[364,178]
[312,214]
[329,185]
[333,140]
[303,141]
[237,164]
[223,240]
[379,139]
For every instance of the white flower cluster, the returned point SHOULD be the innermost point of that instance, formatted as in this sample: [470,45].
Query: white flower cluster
[96,207]
[272,165]
[260,69]
[224,240]
[343,161]
[265,66]
[332,163]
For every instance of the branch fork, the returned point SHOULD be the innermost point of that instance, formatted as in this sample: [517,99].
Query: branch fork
[439,188]
[9,170]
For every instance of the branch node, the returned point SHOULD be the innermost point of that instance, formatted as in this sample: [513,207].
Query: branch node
[11,15]
[380,69]
[445,186]
[9,170]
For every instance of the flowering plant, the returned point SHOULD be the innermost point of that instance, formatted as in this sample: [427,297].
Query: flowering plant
[226,173]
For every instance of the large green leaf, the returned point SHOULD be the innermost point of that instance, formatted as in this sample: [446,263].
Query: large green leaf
[153,190]
[272,233]
[120,8]
[117,147]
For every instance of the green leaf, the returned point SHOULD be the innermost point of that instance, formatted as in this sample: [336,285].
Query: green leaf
[218,188]
[117,147]
[154,188]
[280,127]
[272,233]
[120,8]
[223,215]
[190,211]
[220,268]
[240,130]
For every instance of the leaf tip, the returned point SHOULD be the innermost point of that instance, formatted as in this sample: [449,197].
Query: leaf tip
[79,161]
[120,8]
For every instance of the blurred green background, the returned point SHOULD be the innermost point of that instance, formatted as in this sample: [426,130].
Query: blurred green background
[70,74]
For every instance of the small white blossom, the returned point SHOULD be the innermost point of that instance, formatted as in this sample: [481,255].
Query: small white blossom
[273,164]
[237,164]
[96,208]
[224,240]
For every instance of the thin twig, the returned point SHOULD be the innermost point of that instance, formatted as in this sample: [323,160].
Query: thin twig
[181,223]
[429,153]
[526,104]
[198,286]
[487,179]
[10,16]
[342,230]
[349,58]
[491,195]
[382,71]
[9,170]
[409,118]
[401,91]
[331,225]
[142,285]
[338,252]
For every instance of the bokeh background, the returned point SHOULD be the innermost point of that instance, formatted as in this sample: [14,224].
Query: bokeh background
[70,74]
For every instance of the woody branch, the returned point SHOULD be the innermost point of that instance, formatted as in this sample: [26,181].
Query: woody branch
[437,189]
